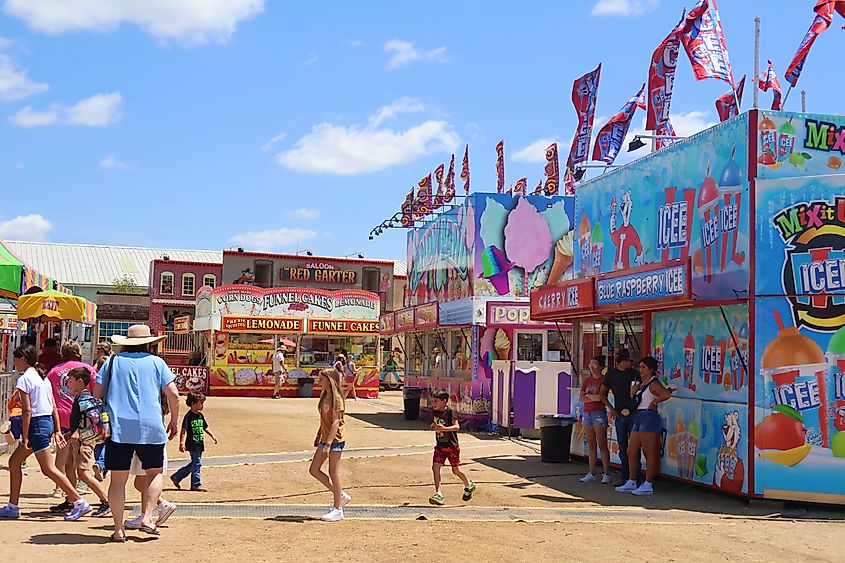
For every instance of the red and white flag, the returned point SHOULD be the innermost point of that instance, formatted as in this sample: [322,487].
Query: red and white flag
[552,170]
[726,104]
[664,129]
[824,17]
[610,137]
[519,187]
[704,42]
[408,209]
[661,78]
[423,202]
[500,166]
[465,170]
[584,93]
[440,195]
[769,81]
[450,182]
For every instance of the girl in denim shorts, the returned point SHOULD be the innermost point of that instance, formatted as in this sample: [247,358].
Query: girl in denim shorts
[594,419]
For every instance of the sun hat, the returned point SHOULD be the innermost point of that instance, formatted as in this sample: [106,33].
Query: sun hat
[136,336]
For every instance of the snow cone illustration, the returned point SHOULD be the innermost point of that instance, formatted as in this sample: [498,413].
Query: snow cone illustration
[708,215]
[495,268]
[584,244]
[730,188]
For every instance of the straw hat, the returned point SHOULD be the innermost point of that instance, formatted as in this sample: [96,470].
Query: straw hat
[136,336]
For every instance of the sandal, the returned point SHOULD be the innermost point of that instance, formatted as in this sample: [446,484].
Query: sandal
[118,539]
[152,530]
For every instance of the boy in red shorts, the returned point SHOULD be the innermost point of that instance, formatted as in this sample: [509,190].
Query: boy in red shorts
[446,428]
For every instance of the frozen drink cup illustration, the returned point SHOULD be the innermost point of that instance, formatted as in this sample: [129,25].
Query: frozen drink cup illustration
[768,141]
[730,186]
[786,141]
[596,248]
[794,370]
[584,244]
[708,214]
[689,360]
[836,381]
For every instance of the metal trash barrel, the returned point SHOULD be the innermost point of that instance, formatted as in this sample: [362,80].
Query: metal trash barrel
[306,387]
[555,437]
[411,396]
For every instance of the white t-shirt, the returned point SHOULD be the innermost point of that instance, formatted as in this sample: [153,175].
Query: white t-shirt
[40,392]
[278,362]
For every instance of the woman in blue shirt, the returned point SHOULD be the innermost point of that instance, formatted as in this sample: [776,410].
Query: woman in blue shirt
[132,383]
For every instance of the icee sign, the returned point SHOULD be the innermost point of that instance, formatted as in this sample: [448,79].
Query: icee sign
[662,283]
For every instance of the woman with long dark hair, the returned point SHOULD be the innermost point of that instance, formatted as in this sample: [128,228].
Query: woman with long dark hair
[647,393]
[330,441]
[40,421]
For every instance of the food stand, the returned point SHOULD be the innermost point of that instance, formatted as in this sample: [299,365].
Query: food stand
[44,310]
[728,250]
[470,270]
[244,322]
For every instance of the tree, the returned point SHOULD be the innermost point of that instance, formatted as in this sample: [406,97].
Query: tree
[125,284]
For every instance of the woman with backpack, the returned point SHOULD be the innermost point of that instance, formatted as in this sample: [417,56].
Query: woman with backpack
[647,394]
[40,422]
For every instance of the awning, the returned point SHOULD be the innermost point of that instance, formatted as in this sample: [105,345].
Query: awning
[17,278]
[56,305]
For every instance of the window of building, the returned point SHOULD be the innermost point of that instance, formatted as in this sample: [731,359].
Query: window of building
[436,354]
[529,346]
[461,356]
[210,280]
[107,329]
[370,279]
[188,284]
[560,346]
[264,273]
[167,283]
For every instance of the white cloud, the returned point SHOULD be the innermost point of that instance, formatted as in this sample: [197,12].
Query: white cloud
[272,239]
[33,227]
[623,7]
[191,21]
[356,42]
[111,162]
[96,111]
[535,152]
[311,58]
[269,144]
[15,83]
[338,149]
[304,213]
[404,52]
[28,117]
[690,123]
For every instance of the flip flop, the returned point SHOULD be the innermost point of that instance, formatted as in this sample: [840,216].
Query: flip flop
[153,531]
[118,539]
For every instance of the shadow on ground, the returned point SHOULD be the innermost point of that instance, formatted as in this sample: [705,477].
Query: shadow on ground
[396,421]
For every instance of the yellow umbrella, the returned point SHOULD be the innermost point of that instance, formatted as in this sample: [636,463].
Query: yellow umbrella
[56,305]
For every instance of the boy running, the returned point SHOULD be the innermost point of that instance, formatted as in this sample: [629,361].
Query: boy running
[446,427]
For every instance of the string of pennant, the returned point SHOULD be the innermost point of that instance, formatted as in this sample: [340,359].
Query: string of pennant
[702,37]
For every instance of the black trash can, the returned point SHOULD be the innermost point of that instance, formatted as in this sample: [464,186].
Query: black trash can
[412,395]
[555,437]
[306,387]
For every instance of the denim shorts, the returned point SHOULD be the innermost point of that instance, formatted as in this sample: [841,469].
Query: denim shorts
[647,420]
[594,418]
[40,432]
[336,447]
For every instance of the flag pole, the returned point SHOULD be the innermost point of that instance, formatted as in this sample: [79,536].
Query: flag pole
[755,84]
[803,101]
[786,97]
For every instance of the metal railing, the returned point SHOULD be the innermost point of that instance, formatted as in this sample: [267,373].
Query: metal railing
[7,386]
[182,343]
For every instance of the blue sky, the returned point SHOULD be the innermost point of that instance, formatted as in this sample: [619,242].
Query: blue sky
[208,123]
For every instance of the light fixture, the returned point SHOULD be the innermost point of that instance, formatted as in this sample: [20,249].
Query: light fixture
[240,249]
[578,174]
[309,253]
[636,144]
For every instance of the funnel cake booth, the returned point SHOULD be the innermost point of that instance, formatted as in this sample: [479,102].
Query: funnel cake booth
[467,320]
[728,250]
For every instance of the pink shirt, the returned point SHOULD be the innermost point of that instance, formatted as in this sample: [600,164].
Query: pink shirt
[61,393]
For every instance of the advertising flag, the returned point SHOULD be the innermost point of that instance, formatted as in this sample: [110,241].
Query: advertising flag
[568,183]
[539,189]
[423,203]
[519,187]
[500,166]
[552,170]
[665,129]
[407,208]
[661,78]
[465,170]
[450,182]
[704,42]
[440,195]
[770,81]
[824,17]
[610,137]
[726,103]
[584,93]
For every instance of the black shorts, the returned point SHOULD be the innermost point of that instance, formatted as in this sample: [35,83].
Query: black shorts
[119,456]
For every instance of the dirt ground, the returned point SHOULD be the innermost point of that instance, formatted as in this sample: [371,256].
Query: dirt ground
[508,473]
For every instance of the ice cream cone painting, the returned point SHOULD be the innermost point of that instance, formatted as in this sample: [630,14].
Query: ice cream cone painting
[564,257]
[502,345]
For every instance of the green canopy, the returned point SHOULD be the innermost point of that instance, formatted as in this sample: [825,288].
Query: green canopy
[11,272]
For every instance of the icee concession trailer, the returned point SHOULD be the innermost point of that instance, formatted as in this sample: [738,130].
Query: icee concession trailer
[723,256]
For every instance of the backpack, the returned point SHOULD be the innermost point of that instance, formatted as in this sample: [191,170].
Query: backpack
[95,425]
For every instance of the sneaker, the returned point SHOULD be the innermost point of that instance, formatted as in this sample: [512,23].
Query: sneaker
[605,479]
[468,490]
[164,510]
[63,508]
[344,499]
[135,523]
[98,473]
[80,509]
[333,515]
[102,510]
[175,483]
[83,488]
[6,427]
[276,396]
[199,489]
[644,490]
[627,487]
[10,511]
[436,499]
[589,478]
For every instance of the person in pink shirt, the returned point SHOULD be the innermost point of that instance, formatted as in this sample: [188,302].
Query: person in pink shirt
[71,354]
